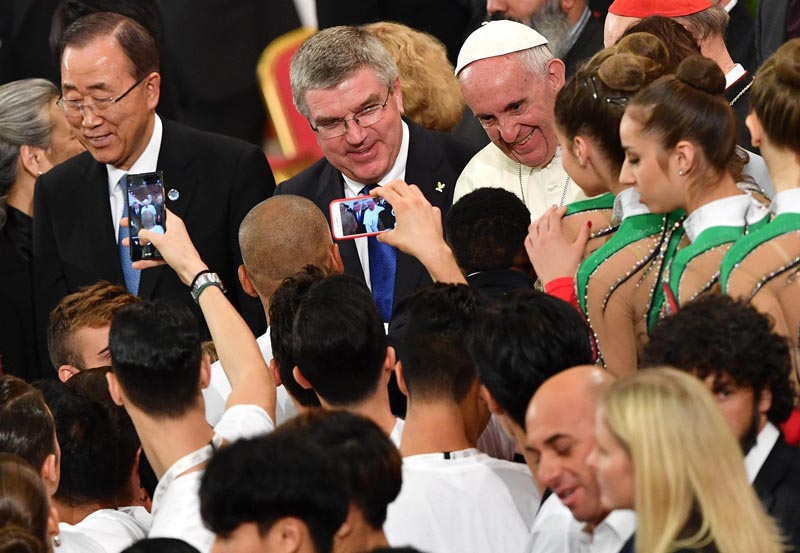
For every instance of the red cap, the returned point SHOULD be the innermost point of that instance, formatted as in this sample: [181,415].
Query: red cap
[646,8]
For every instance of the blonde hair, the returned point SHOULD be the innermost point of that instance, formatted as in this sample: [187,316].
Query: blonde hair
[431,95]
[691,490]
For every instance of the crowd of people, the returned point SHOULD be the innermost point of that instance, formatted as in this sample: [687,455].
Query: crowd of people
[574,331]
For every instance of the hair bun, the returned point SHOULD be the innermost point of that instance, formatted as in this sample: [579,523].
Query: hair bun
[19,540]
[627,72]
[787,63]
[702,74]
[646,45]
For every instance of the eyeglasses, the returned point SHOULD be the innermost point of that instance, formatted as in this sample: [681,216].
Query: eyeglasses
[73,108]
[364,118]
[591,83]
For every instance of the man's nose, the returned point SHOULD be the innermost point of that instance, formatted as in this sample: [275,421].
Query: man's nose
[508,129]
[355,133]
[89,118]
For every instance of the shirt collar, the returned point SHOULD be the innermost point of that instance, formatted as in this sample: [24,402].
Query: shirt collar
[146,163]
[731,5]
[734,75]
[787,201]
[619,524]
[755,458]
[727,212]
[398,170]
[627,204]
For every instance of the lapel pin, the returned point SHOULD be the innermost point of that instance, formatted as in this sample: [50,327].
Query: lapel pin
[440,186]
[173,195]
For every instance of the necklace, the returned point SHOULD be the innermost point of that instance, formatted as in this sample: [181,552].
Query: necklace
[522,188]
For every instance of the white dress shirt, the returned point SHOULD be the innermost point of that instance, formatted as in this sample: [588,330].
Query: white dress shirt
[755,458]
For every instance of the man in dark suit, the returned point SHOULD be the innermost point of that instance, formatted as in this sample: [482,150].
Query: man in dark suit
[110,86]
[732,348]
[574,32]
[345,83]
[776,22]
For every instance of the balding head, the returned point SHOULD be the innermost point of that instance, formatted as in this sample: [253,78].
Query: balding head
[279,237]
[560,430]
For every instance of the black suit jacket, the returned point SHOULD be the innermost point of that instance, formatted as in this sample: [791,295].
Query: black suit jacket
[433,158]
[770,27]
[740,37]
[17,346]
[589,42]
[219,180]
[778,487]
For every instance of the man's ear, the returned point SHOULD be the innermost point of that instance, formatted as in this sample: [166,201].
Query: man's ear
[65,372]
[300,379]
[205,371]
[401,379]
[487,397]
[556,72]
[390,360]
[398,94]
[337,265]
[292,535]
[276,374]
[152,87]
[765,401]
[346,529]
[247,284]
[114,389]
[50,473]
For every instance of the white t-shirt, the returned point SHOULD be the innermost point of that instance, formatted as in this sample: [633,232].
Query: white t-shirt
[73,541]
[397,432]
[176,514]
[555,530]
[113,530]
[469,502]
[219,388]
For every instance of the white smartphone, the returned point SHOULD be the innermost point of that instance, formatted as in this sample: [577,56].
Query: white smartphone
[360,216]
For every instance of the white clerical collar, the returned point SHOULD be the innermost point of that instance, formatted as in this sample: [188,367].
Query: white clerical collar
[627,204]
[146,163]
[734,75]
[787,201]
[398,170]
[755,458]
[727,212]
[731,5]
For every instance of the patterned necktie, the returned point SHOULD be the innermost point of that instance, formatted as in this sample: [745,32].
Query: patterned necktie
[382,268]
[130,274]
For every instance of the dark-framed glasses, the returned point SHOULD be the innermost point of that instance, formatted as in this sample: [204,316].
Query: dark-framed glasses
[74,108]
[364,118]
[591,84]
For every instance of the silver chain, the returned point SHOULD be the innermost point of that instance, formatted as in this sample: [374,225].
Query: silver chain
[522,189]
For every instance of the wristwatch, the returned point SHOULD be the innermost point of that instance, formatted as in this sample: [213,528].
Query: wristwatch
[203,281]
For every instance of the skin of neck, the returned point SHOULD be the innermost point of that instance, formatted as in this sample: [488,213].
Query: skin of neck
[20,195]
[724,188]
[714,47]
[433,427]
[165,440]
[73,514]
[575,12]
[376,408]
[360,536]
[783,165]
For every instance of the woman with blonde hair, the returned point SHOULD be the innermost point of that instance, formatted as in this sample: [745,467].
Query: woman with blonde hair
[664,449]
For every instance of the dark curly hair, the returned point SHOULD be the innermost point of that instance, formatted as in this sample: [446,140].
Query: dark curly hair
[717,334]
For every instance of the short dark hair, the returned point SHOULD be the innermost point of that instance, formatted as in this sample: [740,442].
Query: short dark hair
[523,340]
[88,452]
[369,459]
[339,340]
[717,334]
[283,306]
[156,349]
[137,44]
[92,384]
[436,364]
[26,425]
[160,545]
[265,479]
[486,229]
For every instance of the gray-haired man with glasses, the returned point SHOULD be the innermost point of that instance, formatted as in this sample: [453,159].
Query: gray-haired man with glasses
[346,84]
[110,85]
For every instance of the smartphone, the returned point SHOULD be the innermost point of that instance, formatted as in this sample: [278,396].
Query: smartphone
[145,197]
[360,216]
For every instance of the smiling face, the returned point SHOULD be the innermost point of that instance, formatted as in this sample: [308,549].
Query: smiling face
[650,168]
[560,437]
[515,106]
[101,70]
[613,467]
[364,154]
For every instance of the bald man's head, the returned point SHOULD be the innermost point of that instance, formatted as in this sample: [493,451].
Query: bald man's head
[560,435]
[279,237]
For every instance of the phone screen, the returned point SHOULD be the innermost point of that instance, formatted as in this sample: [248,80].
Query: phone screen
[360,216]
[145,197]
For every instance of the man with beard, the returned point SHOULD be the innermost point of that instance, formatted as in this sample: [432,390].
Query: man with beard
[732,348]
[574,32]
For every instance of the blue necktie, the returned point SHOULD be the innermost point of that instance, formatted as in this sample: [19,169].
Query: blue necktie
[130,274]
[382,268]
